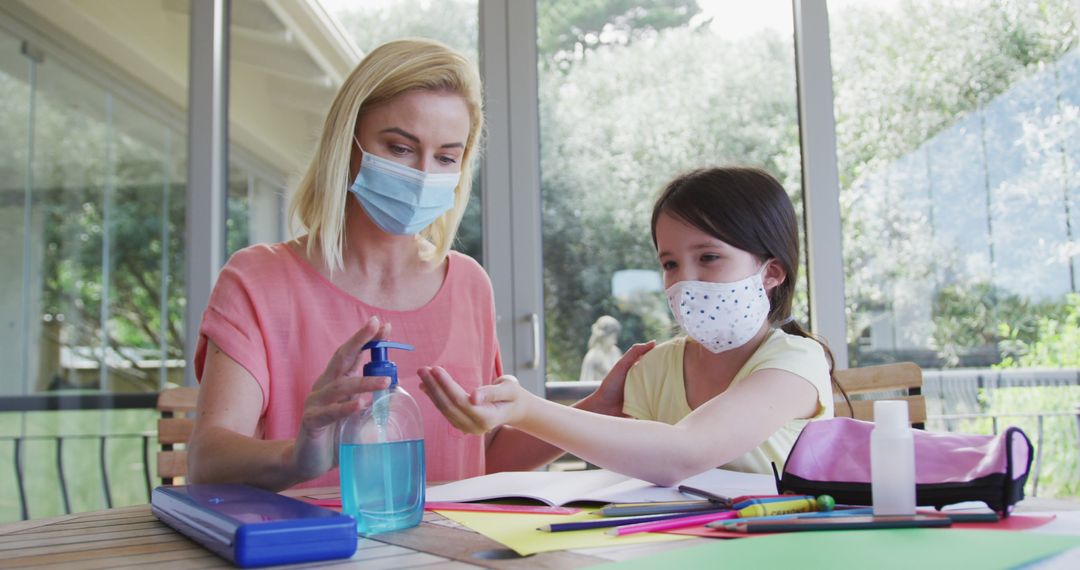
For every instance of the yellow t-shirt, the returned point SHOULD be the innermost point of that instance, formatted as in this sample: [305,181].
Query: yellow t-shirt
[655,390]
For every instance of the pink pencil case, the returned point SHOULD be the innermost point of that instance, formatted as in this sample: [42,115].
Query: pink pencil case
[833,457]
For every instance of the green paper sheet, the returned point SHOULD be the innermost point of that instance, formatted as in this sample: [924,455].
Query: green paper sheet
[886,549]
[518,531]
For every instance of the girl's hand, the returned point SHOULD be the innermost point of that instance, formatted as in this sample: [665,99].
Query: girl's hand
[608,398]
[487,408]
[334,397]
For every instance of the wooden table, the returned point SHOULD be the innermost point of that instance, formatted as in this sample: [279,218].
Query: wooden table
[133,537]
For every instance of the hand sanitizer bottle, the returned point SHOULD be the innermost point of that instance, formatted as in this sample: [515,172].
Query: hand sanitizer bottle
[381,454]
[892,460]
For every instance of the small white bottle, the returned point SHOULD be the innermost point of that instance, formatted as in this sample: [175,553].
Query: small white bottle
[892,460]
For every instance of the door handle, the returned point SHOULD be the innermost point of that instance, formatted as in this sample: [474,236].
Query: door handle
[534,320]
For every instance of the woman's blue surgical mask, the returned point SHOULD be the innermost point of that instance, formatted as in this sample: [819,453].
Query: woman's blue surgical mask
[399,199]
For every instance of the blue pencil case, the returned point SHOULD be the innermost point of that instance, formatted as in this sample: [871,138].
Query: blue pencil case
[252,527]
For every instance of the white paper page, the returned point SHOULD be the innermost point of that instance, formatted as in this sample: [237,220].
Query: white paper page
[553,488]
[717,481]
[733,483]
[601,485]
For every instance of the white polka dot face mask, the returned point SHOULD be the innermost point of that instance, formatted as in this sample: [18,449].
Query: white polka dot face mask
[720,316]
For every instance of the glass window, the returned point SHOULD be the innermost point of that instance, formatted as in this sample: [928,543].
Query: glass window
[274,74]
[958,135]
[94,217]
[15,95]
[256,209]
[629,98]
[101,227]
[453,22]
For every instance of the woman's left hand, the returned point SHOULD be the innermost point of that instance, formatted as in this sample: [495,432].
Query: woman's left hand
[487,408]
[608,398]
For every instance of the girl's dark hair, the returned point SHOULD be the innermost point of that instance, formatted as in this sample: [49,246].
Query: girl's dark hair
[748,209]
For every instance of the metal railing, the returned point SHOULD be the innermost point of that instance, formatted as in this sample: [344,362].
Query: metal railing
[77,402]
[949,389]
[953,386]
[20,475]
[1040,419]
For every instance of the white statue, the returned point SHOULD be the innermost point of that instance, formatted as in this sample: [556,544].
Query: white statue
[603,353]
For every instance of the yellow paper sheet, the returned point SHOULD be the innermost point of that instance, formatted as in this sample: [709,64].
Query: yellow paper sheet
[518,531]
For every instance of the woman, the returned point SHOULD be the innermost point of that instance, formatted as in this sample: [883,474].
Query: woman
[279,350]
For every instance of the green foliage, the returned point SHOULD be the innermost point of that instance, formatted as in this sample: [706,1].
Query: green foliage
[1058,473]
[80,456]
[1055,343]
[568,30]
[970,317]
[73,274]
[452,22]
[902,75]
[607,149]
[105,188]
[905,73]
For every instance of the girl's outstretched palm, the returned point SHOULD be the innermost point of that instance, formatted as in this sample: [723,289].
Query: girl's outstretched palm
[487,408]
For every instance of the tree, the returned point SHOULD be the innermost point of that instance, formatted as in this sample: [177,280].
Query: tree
[103,235]
[452,22]
[1055,342]
[631,93]
[567,30]
[969,318]
[902,76]
[613,135]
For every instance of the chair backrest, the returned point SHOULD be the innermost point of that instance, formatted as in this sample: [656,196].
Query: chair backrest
[872,380]
[177,406]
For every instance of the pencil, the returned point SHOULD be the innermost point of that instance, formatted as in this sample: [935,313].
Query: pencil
[657,508]
[607,522]
[694,491]
[725,524]
[680,522]
[841,523]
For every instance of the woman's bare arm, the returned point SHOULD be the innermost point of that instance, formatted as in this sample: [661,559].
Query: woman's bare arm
[225,447]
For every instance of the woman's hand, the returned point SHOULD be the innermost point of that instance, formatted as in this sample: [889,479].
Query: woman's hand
[608,398]
[487,408]
[334,397]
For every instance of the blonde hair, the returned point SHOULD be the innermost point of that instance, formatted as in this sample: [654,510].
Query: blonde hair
[388,71]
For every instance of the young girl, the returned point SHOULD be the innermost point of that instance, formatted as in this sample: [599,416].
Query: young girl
[736,390]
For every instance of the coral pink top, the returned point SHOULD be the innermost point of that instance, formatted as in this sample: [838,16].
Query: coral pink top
[273,313]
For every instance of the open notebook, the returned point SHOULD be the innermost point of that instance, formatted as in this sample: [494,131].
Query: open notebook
[598,485]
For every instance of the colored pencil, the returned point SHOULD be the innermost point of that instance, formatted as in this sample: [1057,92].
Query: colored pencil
[723,524]
[608,522]
[670,524]
[841,523]
[657,508]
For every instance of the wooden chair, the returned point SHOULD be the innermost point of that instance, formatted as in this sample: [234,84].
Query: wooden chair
[177,407]
[870,381]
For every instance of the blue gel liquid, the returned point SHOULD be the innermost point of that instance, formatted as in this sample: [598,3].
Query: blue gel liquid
[382,484]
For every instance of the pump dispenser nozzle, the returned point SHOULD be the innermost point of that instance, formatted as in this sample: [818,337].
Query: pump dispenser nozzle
[380,365]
